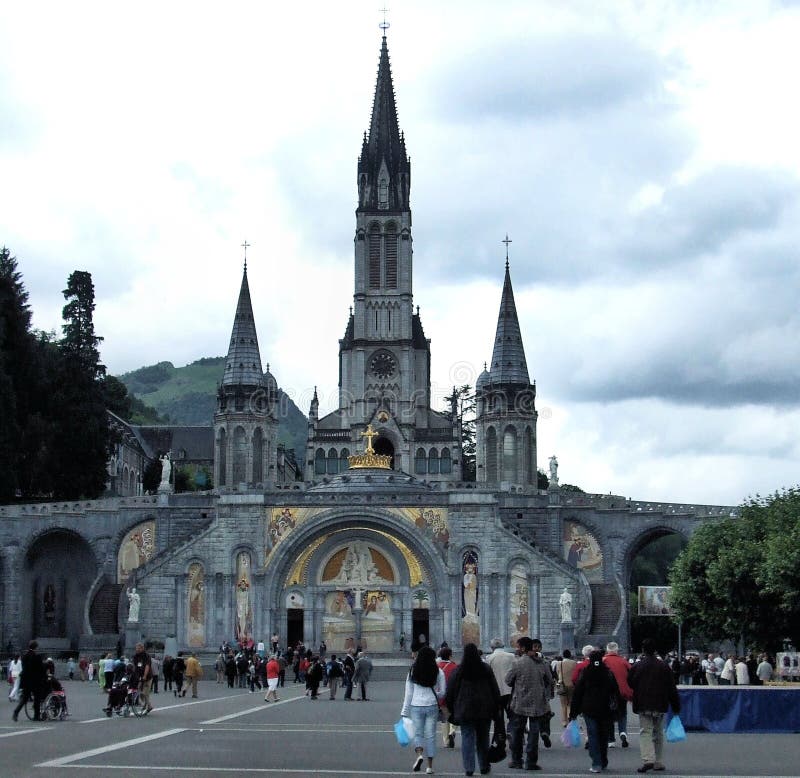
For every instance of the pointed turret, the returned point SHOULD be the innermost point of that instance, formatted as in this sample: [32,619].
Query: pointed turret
[243,365]
[313,411]
[384,170]
[508,358]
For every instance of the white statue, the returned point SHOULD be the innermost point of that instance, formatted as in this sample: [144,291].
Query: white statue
[166,469]
[134,600]
[565,603]
[553,471]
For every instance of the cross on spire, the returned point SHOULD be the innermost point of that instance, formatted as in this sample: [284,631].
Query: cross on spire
[384,25]
[507,241]
[245,246]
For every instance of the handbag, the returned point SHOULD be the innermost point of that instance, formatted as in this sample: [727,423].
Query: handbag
[497,750]
[675,731]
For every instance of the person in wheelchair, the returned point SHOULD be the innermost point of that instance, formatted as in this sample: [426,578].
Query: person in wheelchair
[55,702]
[119,691]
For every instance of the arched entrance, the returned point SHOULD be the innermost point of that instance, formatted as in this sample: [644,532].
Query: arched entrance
[384,446]
[59,570]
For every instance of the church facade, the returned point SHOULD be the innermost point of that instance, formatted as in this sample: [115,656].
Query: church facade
[352,554]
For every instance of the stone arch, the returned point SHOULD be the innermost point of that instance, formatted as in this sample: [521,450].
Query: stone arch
[319,462]
[59,568]
[635,543]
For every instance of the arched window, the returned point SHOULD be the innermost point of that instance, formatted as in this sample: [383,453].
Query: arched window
[374,257]
[333,462]
[510,454]
[239,456]
[391,256]
[491,455]
[433,461]
[343,461]
[258,456]
[445,463]
[222,458]
[319,462]
[530,458]
[383,193]
[420,462]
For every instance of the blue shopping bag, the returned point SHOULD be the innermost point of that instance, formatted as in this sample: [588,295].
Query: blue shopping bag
[401,734]
[675,730]
[571,736]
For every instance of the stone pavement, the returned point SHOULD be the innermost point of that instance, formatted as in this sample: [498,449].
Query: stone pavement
[229,732]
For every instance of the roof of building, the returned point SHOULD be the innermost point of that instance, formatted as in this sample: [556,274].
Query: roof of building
[371,480]
[243,363]
[508,358]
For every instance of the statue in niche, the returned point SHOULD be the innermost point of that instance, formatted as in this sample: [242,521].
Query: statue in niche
[565,603]
[134,602]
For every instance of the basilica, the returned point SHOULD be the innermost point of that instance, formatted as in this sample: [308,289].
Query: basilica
[379,536]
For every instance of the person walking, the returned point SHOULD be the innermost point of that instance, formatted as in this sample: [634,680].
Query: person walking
[314,677]
[194,672]
[144,674]
[178,672]
[14,672]
[219,667]
[532,684]
[473,701]
[620,667]
[446,664]
[597,697]
[727,676]
[33,679]
[335,674]
[564,670]
[654,691]
[273,675]
[166,669]
[362,673]
[108,671]
[425,686]
[500,661]
[155,669]
[349,666]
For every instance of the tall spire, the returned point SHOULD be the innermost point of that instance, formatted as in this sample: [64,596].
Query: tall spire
[508,358]
[243,365]
[383,152]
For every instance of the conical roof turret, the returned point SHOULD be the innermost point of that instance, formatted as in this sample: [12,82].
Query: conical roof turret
[508,358]
[383,151]
[243,365]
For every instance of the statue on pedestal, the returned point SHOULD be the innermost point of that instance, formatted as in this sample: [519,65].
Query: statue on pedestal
[565,603]
[553,471]
[134,601]
[166,472]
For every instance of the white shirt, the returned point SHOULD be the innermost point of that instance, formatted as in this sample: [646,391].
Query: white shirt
[421,696]
[500,661]
[742,676]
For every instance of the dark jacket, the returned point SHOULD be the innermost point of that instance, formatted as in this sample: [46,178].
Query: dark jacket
[596,694]
[472,699]
[532,684]
[32,675]
[653,687]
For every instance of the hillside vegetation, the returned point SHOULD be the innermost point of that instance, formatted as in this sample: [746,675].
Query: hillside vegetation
[187,395]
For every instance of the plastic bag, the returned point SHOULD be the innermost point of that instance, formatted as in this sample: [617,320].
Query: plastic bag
[401,734]
[571,736]
[675,730]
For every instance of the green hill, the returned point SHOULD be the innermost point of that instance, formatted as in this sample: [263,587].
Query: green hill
[187,395]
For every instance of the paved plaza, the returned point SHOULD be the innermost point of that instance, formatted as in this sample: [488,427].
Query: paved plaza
[227,732]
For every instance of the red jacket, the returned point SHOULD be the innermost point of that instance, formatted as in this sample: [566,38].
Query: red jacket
[273,668]
[620,667]
[579,668]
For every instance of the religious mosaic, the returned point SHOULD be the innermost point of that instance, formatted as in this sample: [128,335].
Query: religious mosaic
[196,627]
[470,623]
[518,619]
[582,550]
[338,620]
[137,548]
[243,629]
[358,564]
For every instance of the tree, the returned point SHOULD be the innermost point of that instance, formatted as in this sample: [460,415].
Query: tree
[462,404]
[736,578]
[82,441]
[542,481]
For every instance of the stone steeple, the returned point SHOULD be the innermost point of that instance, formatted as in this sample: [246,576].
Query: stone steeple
[508,364]
[384,170]
[243,365]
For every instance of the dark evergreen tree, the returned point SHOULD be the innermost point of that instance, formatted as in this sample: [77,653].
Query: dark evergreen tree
[82,439]
[462,403]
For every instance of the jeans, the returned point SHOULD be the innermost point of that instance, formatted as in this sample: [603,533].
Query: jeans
[425,718]
[475,736]
[598,732]
[348,687]
[621,720]
[516,727]
[651,737]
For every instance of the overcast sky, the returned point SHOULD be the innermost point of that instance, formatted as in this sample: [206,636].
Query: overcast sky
[642,156]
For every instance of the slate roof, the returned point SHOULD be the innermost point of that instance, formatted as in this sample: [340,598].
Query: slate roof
[508,358]
[243,363]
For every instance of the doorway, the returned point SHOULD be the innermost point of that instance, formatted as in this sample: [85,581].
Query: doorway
[294,626]
[420,625]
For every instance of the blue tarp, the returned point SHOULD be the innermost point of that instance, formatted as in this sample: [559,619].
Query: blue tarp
[741,709]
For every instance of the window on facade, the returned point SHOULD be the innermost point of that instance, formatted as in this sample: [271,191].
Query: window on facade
[391,257]
[343,461]
[491,455]
[510,455]
[530,468]
[319,462]
[383,193]
[374,257]
[420,462]
[222,448]
[239,456]
[445,463]
[333,462]
[258,456]
[433,461]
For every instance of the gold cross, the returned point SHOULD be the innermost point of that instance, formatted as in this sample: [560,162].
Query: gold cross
[369,434]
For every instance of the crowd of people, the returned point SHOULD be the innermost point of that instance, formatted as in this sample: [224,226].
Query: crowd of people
[502,700]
